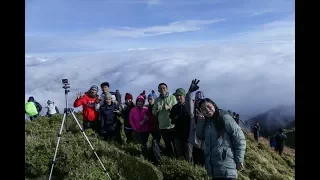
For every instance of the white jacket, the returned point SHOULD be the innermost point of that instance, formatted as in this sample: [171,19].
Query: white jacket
[51,109]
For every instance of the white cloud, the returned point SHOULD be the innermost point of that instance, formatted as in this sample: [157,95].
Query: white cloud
[249,73]
[174,27]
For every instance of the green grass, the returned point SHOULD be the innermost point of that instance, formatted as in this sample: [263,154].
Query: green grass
[77,161]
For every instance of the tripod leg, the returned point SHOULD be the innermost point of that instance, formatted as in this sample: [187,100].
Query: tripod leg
[94,151]
[57,146]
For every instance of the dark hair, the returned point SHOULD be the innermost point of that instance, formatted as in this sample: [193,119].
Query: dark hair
[162,84]
[104,84]
[217,119]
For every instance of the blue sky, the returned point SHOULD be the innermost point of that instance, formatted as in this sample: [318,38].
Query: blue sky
[61,26]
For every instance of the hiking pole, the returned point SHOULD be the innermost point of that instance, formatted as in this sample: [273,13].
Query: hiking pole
[86,137]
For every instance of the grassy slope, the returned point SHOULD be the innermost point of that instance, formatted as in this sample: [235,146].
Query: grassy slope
[126,162]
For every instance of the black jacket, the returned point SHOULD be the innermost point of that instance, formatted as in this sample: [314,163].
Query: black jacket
[125,115]
[180,118]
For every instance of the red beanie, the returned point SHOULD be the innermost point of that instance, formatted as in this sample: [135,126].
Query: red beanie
[128,96]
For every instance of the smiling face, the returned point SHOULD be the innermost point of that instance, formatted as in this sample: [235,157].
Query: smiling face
[162,89]
[208,109]
[108,100]
[150,100]
[140,103]
[180,98]
[93,91]
[105,89]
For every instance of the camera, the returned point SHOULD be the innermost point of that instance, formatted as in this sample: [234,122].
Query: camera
[64,81]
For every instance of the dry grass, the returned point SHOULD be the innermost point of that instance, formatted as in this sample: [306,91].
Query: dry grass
[126,162]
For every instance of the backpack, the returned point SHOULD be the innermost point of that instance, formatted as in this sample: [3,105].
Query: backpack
[31,109]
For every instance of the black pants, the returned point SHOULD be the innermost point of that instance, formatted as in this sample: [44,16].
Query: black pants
[33,117]
[168,138]
[94,125]
[183,149]
[256,137]
[279,150]
[198,156]
[114,135]
[128,133]
[142,138]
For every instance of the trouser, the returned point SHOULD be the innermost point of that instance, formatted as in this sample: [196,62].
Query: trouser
[279,150]
[198,156]
[184,149]
[142,138]
[256,137]
[114,135]
[128,132]
[168,138]
[33,117]
[94,125]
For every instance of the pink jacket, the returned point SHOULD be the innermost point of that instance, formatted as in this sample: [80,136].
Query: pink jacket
[136,116]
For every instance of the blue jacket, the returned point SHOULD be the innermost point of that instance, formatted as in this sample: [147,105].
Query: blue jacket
[221,154]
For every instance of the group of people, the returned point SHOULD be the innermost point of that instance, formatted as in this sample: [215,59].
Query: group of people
[196,130]
[33,108]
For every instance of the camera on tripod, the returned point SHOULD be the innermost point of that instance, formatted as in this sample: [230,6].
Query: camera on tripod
[66,85]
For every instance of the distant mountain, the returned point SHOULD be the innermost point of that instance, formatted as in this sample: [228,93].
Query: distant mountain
[279,117]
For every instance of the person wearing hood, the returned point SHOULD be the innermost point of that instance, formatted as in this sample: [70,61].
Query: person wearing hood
[32,108]
[180,117]
[280,139]
[89,113]
[161,110]
[140,123]
[51,108]
[125,115]
[225,143]
[110,125]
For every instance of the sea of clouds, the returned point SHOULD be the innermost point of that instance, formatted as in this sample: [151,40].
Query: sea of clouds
[249,73]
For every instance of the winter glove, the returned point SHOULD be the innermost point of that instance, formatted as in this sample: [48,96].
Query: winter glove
[142,122]
[194,85]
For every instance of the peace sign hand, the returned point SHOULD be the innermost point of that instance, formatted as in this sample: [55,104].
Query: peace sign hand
[194,85]
[200,114]
[79,95]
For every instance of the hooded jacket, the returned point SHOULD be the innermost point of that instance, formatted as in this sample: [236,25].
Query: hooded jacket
[89,112]
[137,115]
[163,115]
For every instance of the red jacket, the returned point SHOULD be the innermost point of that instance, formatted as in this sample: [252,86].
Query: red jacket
[89,112]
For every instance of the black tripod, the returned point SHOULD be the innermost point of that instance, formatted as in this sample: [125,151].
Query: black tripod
[65,117]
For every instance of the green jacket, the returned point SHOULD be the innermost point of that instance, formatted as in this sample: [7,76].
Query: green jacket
[221,154]
[163,115]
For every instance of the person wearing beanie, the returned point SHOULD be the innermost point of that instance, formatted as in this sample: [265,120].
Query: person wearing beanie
[140,123]
[110,125]
[89,113]
[161,110]
[51,108]
[181,119]
[125,115]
